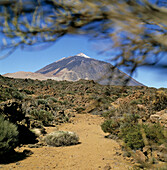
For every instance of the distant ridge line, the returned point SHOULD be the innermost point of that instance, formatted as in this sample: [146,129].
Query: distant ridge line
[80,66]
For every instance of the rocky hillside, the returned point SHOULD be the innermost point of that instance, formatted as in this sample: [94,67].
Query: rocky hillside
[135,116]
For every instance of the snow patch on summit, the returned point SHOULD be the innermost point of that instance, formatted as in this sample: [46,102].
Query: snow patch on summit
[82,55]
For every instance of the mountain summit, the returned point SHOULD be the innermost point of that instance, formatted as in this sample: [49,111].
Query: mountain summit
[78,67]
[82,55]
[81,66]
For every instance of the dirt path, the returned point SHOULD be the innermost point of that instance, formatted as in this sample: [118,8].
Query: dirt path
[94,152]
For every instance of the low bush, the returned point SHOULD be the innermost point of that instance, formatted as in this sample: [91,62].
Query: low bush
[108,113]
[44,116]
[155,134]
[110,126]
[53,99]
[159,100]
[46,96]
[8,136]
[27,91]
[61,138]
[42,101]
[132,136]
[129,130]
[18,95]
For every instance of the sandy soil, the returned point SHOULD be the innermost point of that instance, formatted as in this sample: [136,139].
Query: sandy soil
[93,152]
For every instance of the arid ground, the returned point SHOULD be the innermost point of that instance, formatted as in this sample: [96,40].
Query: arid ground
[93,152]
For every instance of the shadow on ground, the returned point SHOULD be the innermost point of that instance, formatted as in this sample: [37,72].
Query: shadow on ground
[15,157]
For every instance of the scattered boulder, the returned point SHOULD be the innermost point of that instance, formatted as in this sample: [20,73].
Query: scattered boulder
[162,156]
[142,107]
[140,156]
[160,117]
[155,118]
[162,153]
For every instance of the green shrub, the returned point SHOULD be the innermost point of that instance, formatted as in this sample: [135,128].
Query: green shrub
[61,138]
[40,97]
[28,91]
[42,101]
[8,136]
[130,118]
[53,99]
[71,92]
[114,97]
[110,126]
[136,101]
[46,96]
[159,101]
[108,114]
[18,95]
[131,134]
[155,134]
[128,129]
[44,116]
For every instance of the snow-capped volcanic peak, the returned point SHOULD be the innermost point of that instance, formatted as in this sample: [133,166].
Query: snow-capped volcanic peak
[82,55]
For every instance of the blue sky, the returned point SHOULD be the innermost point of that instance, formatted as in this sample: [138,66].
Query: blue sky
[32,60]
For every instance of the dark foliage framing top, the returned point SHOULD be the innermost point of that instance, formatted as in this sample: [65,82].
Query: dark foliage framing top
[136,29]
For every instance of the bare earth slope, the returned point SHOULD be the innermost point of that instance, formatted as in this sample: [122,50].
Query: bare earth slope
[94,151]
[26,75]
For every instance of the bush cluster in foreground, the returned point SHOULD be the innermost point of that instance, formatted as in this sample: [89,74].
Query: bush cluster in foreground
[131,131]
[8,136]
